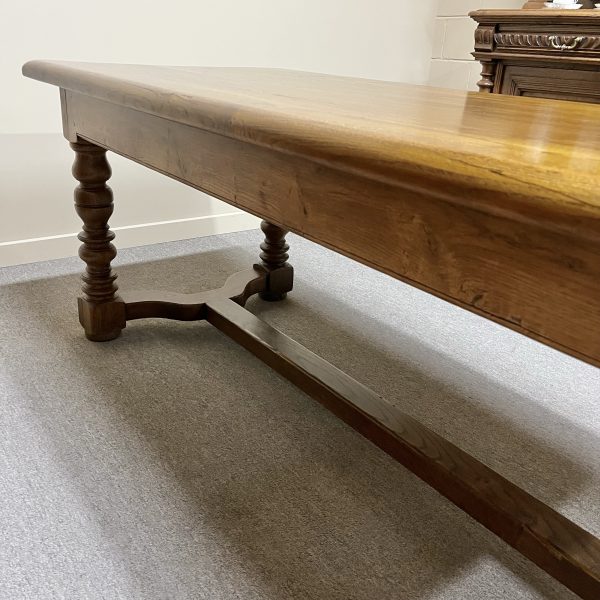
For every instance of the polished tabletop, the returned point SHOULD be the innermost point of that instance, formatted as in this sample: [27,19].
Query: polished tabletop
[533,160]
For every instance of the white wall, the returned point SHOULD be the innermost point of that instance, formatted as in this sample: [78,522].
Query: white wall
[452,65]
[387,39]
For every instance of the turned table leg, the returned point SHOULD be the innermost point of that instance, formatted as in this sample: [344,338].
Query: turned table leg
[274,259]
[101,311]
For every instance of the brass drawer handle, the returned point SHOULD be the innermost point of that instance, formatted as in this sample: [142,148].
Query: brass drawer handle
[555,42]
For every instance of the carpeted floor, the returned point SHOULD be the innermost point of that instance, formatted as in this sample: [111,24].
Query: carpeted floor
[170,463]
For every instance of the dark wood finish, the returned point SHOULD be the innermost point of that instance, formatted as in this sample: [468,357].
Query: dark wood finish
[274,259]
[549,82]
[541,53]
[100,310]
[192,307]
[459,194]
[550,540]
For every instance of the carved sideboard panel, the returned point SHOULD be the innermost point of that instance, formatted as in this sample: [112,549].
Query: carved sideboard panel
[562,43]
[542,53]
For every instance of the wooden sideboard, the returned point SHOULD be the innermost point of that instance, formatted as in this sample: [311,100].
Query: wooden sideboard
[542,53]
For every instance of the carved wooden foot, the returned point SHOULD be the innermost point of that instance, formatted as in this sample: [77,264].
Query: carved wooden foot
[101,311]
[274,255]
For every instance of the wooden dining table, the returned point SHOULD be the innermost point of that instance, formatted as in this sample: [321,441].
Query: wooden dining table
[489,202]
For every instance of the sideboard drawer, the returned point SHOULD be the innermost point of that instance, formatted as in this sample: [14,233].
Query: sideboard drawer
[582,85]
[551,43]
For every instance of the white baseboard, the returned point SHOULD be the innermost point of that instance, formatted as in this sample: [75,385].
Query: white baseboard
[60,246]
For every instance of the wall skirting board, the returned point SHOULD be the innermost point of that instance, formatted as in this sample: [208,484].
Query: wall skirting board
[60,246]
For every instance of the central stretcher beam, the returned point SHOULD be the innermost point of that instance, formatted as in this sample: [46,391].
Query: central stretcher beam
[557,545]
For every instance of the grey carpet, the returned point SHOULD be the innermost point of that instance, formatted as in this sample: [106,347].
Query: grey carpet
[170,463]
